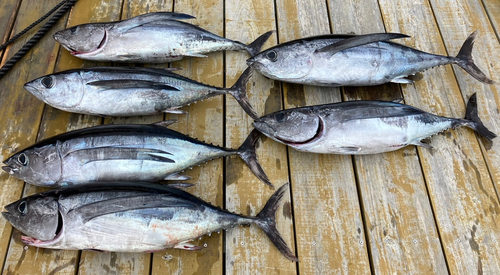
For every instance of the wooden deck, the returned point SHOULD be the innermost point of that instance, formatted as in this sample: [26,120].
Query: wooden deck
[413,211]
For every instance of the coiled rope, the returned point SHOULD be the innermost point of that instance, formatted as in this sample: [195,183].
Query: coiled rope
[38,35]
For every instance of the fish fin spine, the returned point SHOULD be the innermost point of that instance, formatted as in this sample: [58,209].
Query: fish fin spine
[248,155]
[266,220]
[465,61]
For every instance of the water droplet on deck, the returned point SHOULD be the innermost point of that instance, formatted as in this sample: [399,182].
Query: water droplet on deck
[210,234]
[25,247]
[205,245]
[167,257]
[242,243]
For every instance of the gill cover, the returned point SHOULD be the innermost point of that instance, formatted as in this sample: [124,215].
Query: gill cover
[290,126]
[61,90]
[286,62]
[35,216]
[82,38]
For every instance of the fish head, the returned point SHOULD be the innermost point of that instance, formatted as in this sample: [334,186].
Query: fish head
[291,127]
[36,216]
[83,39]
[61,90]
[38,165]
[289,62]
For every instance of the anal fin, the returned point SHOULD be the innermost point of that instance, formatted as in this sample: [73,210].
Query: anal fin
[402,80]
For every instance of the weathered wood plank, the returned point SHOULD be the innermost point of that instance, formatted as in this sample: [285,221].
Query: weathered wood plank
[493,9]
[248,250]
[21,113]
[461,190]
[393,192]
[8,12]
[330,233]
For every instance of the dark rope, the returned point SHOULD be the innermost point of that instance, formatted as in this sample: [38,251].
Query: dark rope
[41,32]
[15,37]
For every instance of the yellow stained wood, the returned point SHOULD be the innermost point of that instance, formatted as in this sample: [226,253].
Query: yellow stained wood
[454,30]
[21,113]
[461,190]
[492,7]
[248,250]
[330,233]
[399,220]
[8,12]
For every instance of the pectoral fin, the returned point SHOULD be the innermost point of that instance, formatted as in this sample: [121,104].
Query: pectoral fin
[421,144]
[359,40]
[131,84]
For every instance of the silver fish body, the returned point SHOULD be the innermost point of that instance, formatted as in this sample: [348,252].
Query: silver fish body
[128,91]
[119,153]
[347,60]
[361,127]
[149,38]
[129,217]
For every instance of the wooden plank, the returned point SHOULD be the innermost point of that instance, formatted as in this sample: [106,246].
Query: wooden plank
[248,250]
[8,12]
[330,233]
[492,7]
[21,113]
[461,190]
[395,202]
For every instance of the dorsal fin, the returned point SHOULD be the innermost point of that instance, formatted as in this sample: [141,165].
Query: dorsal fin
[150,17]
[359,40]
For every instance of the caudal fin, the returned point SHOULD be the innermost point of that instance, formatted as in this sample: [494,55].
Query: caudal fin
[255,47]
[476,123]
[465,61]
[248,155]
[239,92]
[266,220]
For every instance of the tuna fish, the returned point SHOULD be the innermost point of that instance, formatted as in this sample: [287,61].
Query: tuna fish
[134,217]
[149,38]
[120,153]
[355,60]
[361,127]
[128,91]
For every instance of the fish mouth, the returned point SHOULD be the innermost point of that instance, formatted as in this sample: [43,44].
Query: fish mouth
[99,47]
[9,169]
[317,135]
[251,61]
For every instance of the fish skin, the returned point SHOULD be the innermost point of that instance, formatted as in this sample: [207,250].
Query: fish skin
[148,38]
[128,91]
[129,217]
[361,127]
[350,60]
[120,153]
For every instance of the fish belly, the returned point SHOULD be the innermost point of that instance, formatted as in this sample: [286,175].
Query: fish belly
[371,136]
[141,230]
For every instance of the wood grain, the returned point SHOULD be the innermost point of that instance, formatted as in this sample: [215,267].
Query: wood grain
[248,250]
[458,180]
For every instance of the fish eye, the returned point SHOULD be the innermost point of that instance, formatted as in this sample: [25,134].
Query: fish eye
[47,82]
[23,159]
[272,55]
[23,208]
[73,30]
[280,117]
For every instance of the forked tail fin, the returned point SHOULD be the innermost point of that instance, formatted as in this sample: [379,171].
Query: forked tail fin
[239,92]
[266,220]
[475,122]
[255,47]
[248,155]
[465,61]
